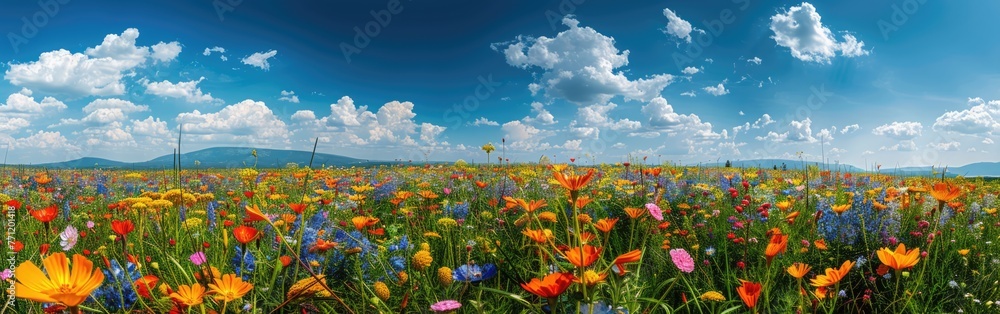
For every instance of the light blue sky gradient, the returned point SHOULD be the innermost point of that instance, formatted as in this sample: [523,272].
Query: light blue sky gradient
[905,83]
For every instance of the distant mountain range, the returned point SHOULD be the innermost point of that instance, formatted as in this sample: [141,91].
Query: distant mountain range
[979,169]
[235,157]
[222,157]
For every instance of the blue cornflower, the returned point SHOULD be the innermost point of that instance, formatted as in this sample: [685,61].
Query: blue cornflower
[117,293]
[244,263]
[474,273]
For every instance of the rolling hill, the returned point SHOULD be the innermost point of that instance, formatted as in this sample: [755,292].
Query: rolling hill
[222,157]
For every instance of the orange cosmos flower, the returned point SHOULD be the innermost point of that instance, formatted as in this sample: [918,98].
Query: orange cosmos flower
[427,194]
[58,284]
[229,288]
[783,205]
[945,192]
[899,259]
[820,244]
[322,246]
[254,214]
[630,257]
[582,256]
[573,182]
[362,222]
[749,292]
[189,295]
[298,208]
[840,209]
[245,234]
[606,224]
[528,206]
[778,244]
[145,284]
[798,270]
[549,287]
[635,213]
[832,276]
[539,236]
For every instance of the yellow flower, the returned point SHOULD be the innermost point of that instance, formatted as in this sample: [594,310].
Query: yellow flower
[381,291]
[432,234]
[712,296]
[229,288]
[963,252]
[584,218]
[547,217]
[58,284]
[444,276]
[403,277]
[591,278]
[422,260]
[189,295]
[447,222]
[307,287]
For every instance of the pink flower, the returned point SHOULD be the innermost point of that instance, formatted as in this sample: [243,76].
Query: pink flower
[447,191]
[682,260]
[6,274]
[446,306]
[654,211]
[198,258]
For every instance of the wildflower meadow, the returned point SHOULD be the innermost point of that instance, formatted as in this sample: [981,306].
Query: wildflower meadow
[633,237]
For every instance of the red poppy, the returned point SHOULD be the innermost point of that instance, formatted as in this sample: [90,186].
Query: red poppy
[122,227]
[144,285]
[245,234]
[47,214]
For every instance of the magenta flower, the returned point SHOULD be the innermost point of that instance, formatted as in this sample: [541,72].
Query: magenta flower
[446,306]
[447,191]
[6,274]
[198,258]
[682,260]
[654,211]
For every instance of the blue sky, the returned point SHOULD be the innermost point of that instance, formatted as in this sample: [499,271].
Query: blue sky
[907,82]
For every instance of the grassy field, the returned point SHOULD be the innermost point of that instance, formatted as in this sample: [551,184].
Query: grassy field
[625,238]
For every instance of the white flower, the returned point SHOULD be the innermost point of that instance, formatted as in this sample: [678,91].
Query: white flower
[68,238]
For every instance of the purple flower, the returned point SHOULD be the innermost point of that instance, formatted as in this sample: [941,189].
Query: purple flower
[682,260]
[654,211]
[90,224]
[446,306]
[198,258]
[6,274]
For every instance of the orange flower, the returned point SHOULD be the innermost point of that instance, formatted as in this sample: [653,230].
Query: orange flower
[635,213]
[899,259]
[630,257]
[427,194]
[820,244]
[945,192]
[528,206]
[573,182]
[583,201]
[840,209]
[778,244]
[122,227]
[229,288]
[145,284]
[606,224]
[549,287]
[57,284]
[832,276]
[254,214]
[879,206]
[286,260]
[481,184]
[790,218]
[322,246]
[783,205]
[362,222]
[298,208]
[582,256]
[245,234]
[749,292]
[591,278]
[47,214]
[539,236]
[798,270]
